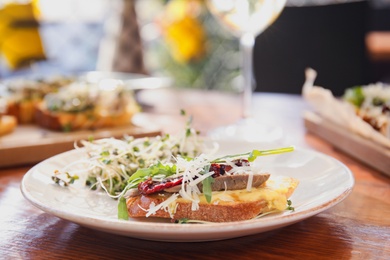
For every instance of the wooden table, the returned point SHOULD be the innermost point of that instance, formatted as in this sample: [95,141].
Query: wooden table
[357,228]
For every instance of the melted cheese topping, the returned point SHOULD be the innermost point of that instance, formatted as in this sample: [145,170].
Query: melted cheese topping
[275,192]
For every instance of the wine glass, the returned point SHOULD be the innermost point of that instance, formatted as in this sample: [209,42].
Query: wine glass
[246,19]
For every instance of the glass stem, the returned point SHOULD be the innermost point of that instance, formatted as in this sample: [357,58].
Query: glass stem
[247,43]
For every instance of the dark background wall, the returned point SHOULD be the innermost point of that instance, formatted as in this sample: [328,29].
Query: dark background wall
[329,39]
[379,21]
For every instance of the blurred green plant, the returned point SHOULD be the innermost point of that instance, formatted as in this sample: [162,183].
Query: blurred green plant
[194,49]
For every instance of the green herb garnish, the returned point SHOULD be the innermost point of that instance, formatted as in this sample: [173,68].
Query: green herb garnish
[188,221]
[106,161]
[354,96]
[377,101]
[105,153]
[67,127]
[289,207]
[252,156]
[255,153]
[70,179]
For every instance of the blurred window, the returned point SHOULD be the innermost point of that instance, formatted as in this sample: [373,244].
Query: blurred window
[71,32]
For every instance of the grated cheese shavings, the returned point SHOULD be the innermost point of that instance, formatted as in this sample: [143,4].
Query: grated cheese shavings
[165,205]
[250,181]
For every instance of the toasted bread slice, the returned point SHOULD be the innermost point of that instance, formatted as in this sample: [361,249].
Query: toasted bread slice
[90,119]
[23,111]
[225,206]
[7,124]
[24,95]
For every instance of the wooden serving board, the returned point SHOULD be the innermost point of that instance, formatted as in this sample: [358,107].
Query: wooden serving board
[31,144]
[356,146]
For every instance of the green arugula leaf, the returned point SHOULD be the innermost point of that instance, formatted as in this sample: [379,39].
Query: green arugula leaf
[157,169]
[122,209]
[207,191]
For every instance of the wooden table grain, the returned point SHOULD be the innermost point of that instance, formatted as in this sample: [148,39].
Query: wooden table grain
[357,228]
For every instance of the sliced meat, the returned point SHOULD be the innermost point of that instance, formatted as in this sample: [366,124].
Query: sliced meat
[236,182]
[230,182]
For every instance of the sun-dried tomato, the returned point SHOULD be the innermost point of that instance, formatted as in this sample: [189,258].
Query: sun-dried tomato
[149,186]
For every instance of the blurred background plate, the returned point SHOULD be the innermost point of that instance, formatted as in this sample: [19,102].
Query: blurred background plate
[132,80]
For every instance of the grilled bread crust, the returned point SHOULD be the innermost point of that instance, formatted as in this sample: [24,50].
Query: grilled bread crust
[22,111]
[222,212]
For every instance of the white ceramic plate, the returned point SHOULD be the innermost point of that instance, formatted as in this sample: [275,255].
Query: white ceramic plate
[324,182]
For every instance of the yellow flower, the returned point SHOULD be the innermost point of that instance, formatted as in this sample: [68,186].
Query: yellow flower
[183,32]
